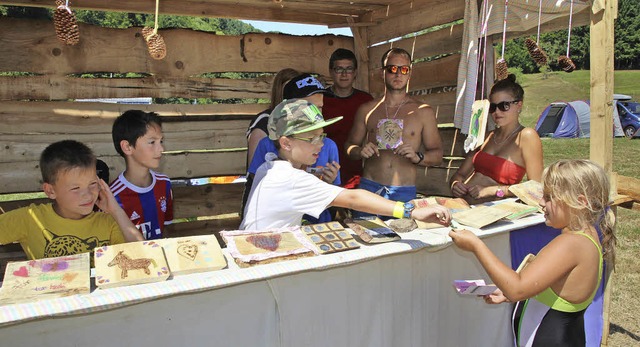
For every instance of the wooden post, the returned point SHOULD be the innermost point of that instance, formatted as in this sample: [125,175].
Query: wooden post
[362,54]
[602,82]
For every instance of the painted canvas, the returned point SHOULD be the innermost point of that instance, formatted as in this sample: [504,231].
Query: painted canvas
[130,263]
[453,204]
[530,192]
[480,217]
[330,237]
[478,125]
[372,230]
[39,279]
[191,254]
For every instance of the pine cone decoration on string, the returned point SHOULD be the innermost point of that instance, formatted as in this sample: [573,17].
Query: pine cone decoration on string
[536,53]
[155,43]
[501,69]
[566,63]
[66,25]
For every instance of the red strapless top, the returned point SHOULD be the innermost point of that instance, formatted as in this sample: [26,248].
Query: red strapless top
[499,169]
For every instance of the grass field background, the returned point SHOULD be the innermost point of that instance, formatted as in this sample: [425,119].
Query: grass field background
[540,90]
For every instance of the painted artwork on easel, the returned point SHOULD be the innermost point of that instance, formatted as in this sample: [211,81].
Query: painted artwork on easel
[45,278]
[130,263]
[478,125]
[192,254]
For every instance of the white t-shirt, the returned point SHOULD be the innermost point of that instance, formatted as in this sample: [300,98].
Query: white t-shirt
[282,194]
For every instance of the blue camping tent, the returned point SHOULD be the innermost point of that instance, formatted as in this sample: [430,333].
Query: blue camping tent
[569,120]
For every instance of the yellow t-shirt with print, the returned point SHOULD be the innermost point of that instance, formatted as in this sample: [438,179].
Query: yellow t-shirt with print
[42,233]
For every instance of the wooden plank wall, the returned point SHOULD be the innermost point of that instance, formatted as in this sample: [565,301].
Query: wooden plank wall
[200,140]
[416,26]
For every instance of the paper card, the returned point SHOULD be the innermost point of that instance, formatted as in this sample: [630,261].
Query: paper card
[480,216]
[530,192]
[45,278]
[192,254]
[516,209]
[473,287]
[130,263]
[477,125]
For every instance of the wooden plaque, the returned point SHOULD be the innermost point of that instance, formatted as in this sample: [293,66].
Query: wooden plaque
[130,263]
[191,254]
[251,247]
[480,216]
[330,237]
[45,278]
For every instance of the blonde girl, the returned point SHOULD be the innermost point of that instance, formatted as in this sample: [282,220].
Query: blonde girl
[554,290]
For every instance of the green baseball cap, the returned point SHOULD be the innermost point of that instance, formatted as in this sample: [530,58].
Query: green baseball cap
[296,116]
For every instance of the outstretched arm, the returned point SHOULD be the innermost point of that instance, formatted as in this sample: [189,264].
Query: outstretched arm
[551,264]
[365,201]
[107,203]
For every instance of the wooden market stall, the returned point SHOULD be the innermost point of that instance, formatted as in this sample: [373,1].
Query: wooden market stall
[37,107]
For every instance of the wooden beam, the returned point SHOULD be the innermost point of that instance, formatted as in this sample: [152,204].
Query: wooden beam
[31,46]
[629,186]
[602,40]
[19,177]
[289,11]
[443,41]
[412,16]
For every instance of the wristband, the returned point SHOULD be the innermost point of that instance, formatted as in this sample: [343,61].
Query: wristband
[454,183]
[420,157]
[398,210]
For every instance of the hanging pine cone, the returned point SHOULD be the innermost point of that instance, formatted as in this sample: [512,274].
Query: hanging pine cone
[501,69]
[66,25]
[155,43]
[536,53]
[566,63]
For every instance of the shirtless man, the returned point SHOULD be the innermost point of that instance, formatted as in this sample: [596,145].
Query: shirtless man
[389,132]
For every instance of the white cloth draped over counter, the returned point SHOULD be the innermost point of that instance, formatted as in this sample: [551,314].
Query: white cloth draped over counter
[392,294]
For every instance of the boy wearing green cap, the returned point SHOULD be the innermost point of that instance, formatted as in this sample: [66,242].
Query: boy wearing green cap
[281,193]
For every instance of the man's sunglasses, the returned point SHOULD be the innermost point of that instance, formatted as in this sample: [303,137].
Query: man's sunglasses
[316,140]
[503,106]
[393,69]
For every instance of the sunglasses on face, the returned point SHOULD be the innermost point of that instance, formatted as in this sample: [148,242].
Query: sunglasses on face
[344,70]
[503,106]
[394,69]
[316,140]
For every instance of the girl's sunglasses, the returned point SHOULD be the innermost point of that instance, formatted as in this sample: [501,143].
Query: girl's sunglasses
[404,69]
[503,106]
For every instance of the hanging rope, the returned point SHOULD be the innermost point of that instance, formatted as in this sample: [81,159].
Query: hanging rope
[570,21]
[539,15]
[155,26]
[504,27]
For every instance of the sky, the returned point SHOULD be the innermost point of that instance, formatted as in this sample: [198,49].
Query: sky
[297,29]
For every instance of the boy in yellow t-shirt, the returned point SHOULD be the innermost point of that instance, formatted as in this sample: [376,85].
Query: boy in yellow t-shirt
[69,224]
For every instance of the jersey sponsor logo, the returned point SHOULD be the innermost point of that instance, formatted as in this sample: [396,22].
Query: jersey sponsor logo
[134,216]
[145,228]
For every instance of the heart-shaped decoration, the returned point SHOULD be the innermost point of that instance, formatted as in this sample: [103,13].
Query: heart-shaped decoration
[188,250]
[268,242]
[22,272]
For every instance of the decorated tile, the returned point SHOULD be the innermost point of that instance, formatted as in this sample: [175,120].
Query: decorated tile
[372,230]
[130,263]
[45,278]
[330,237]
[250,247]
[193,254]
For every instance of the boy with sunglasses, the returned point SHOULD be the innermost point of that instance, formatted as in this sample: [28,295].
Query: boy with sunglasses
[394,134]
[282,193]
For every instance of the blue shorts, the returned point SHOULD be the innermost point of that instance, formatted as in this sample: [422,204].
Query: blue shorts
[396,193]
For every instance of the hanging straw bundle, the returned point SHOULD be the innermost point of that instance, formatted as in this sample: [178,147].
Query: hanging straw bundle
[564,61]
[65,24]
[535,51]
[501,65]
[155,43]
